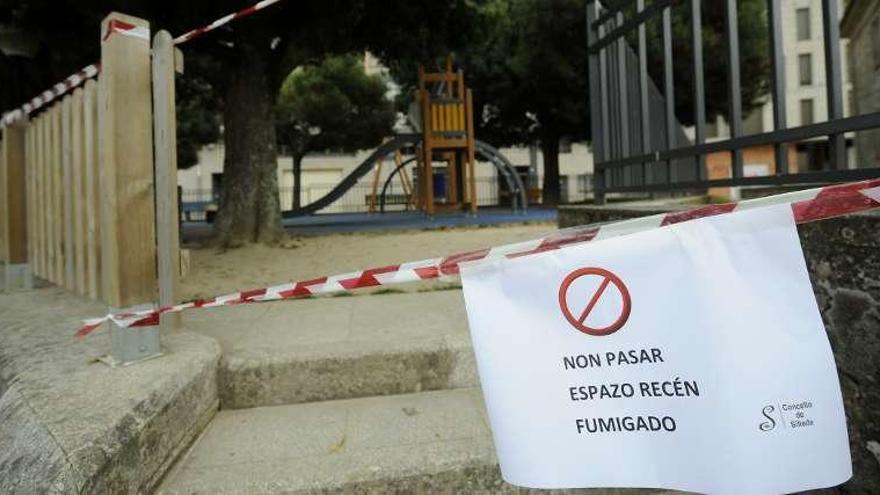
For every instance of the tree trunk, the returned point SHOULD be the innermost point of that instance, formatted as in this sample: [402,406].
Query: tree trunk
[297,177]
[249,205]
[550,151]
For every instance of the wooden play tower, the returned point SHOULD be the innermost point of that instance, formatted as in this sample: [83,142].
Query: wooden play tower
[448,138]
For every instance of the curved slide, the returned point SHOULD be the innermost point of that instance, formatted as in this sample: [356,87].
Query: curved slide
[402,141]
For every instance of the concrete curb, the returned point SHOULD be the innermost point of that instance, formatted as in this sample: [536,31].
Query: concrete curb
[70,424]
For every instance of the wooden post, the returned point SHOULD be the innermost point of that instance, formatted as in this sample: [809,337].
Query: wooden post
[167,213]
[91,196]
[452,178]
[12,195]
[427,179]
[128,237]
[471,159]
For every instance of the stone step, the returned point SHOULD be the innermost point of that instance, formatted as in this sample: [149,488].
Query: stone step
[416,443]
[339,347]
[429,442]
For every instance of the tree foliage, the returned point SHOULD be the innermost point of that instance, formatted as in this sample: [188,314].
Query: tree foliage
[244,64]
[333,105]
[529,70]
[754,57]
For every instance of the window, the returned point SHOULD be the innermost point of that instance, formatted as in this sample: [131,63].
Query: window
[585,183]
[803,24]
[807,111]
[805,69]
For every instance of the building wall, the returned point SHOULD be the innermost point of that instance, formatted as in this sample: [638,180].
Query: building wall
[761,160]
[792,49]
[761,119]
[862,24]
[757,162]
[324,170]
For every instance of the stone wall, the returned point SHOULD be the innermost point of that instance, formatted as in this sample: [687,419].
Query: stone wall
[843,258]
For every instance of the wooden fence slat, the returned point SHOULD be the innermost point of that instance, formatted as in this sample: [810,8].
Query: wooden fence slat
[92,221]
[29,190]
[12,195]
[39,202]
[68,212]
[77,190]
[58,195]
[49,195]
[4,214]
[43,197]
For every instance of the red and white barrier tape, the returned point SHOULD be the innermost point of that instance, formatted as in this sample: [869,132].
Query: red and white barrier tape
[51,94]
[195,33]
[809,205]
[119,27]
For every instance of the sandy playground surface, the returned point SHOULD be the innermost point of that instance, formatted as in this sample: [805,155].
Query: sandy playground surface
[214,272]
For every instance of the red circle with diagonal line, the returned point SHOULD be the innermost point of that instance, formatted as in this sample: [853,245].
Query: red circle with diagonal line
[608,279]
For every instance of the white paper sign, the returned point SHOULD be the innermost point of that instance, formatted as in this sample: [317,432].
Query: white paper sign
[689,357]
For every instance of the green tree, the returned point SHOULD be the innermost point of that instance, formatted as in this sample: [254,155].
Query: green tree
[334,105]
[530,80]
[244,64]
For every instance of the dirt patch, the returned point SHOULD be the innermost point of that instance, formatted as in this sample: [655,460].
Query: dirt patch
[213,271]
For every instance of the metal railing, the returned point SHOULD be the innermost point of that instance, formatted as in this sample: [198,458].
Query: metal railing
[195,203]
[636,134]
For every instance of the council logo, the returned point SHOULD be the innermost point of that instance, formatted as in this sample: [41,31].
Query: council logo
[594,301]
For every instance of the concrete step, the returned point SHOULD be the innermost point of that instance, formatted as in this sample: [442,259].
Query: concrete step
[429,442]
[71,424]
[417,442]
[339,347]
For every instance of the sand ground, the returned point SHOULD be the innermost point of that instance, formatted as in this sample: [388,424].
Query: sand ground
[213,271]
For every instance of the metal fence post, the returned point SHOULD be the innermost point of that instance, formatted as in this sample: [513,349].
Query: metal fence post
[833,79]
[128,248]
[777,88]
[596,104]
[731,35]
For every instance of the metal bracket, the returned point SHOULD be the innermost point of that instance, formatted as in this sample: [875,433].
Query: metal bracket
[132,345]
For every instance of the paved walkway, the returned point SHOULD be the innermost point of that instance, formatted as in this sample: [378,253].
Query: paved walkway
[335,223]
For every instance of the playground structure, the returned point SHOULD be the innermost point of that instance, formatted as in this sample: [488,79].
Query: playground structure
[403,149]
[443,155]
[447,114]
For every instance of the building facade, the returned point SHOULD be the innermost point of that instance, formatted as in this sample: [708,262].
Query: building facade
[861,24]
[805,99]
[323,171]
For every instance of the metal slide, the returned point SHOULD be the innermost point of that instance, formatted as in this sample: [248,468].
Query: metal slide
[505,169]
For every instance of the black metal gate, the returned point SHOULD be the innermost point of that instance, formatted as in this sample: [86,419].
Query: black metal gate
[639,145]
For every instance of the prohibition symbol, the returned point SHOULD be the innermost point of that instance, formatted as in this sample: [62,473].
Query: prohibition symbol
[584,308]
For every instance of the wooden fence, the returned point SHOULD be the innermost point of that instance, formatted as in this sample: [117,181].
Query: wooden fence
[62,191]
[80,184]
